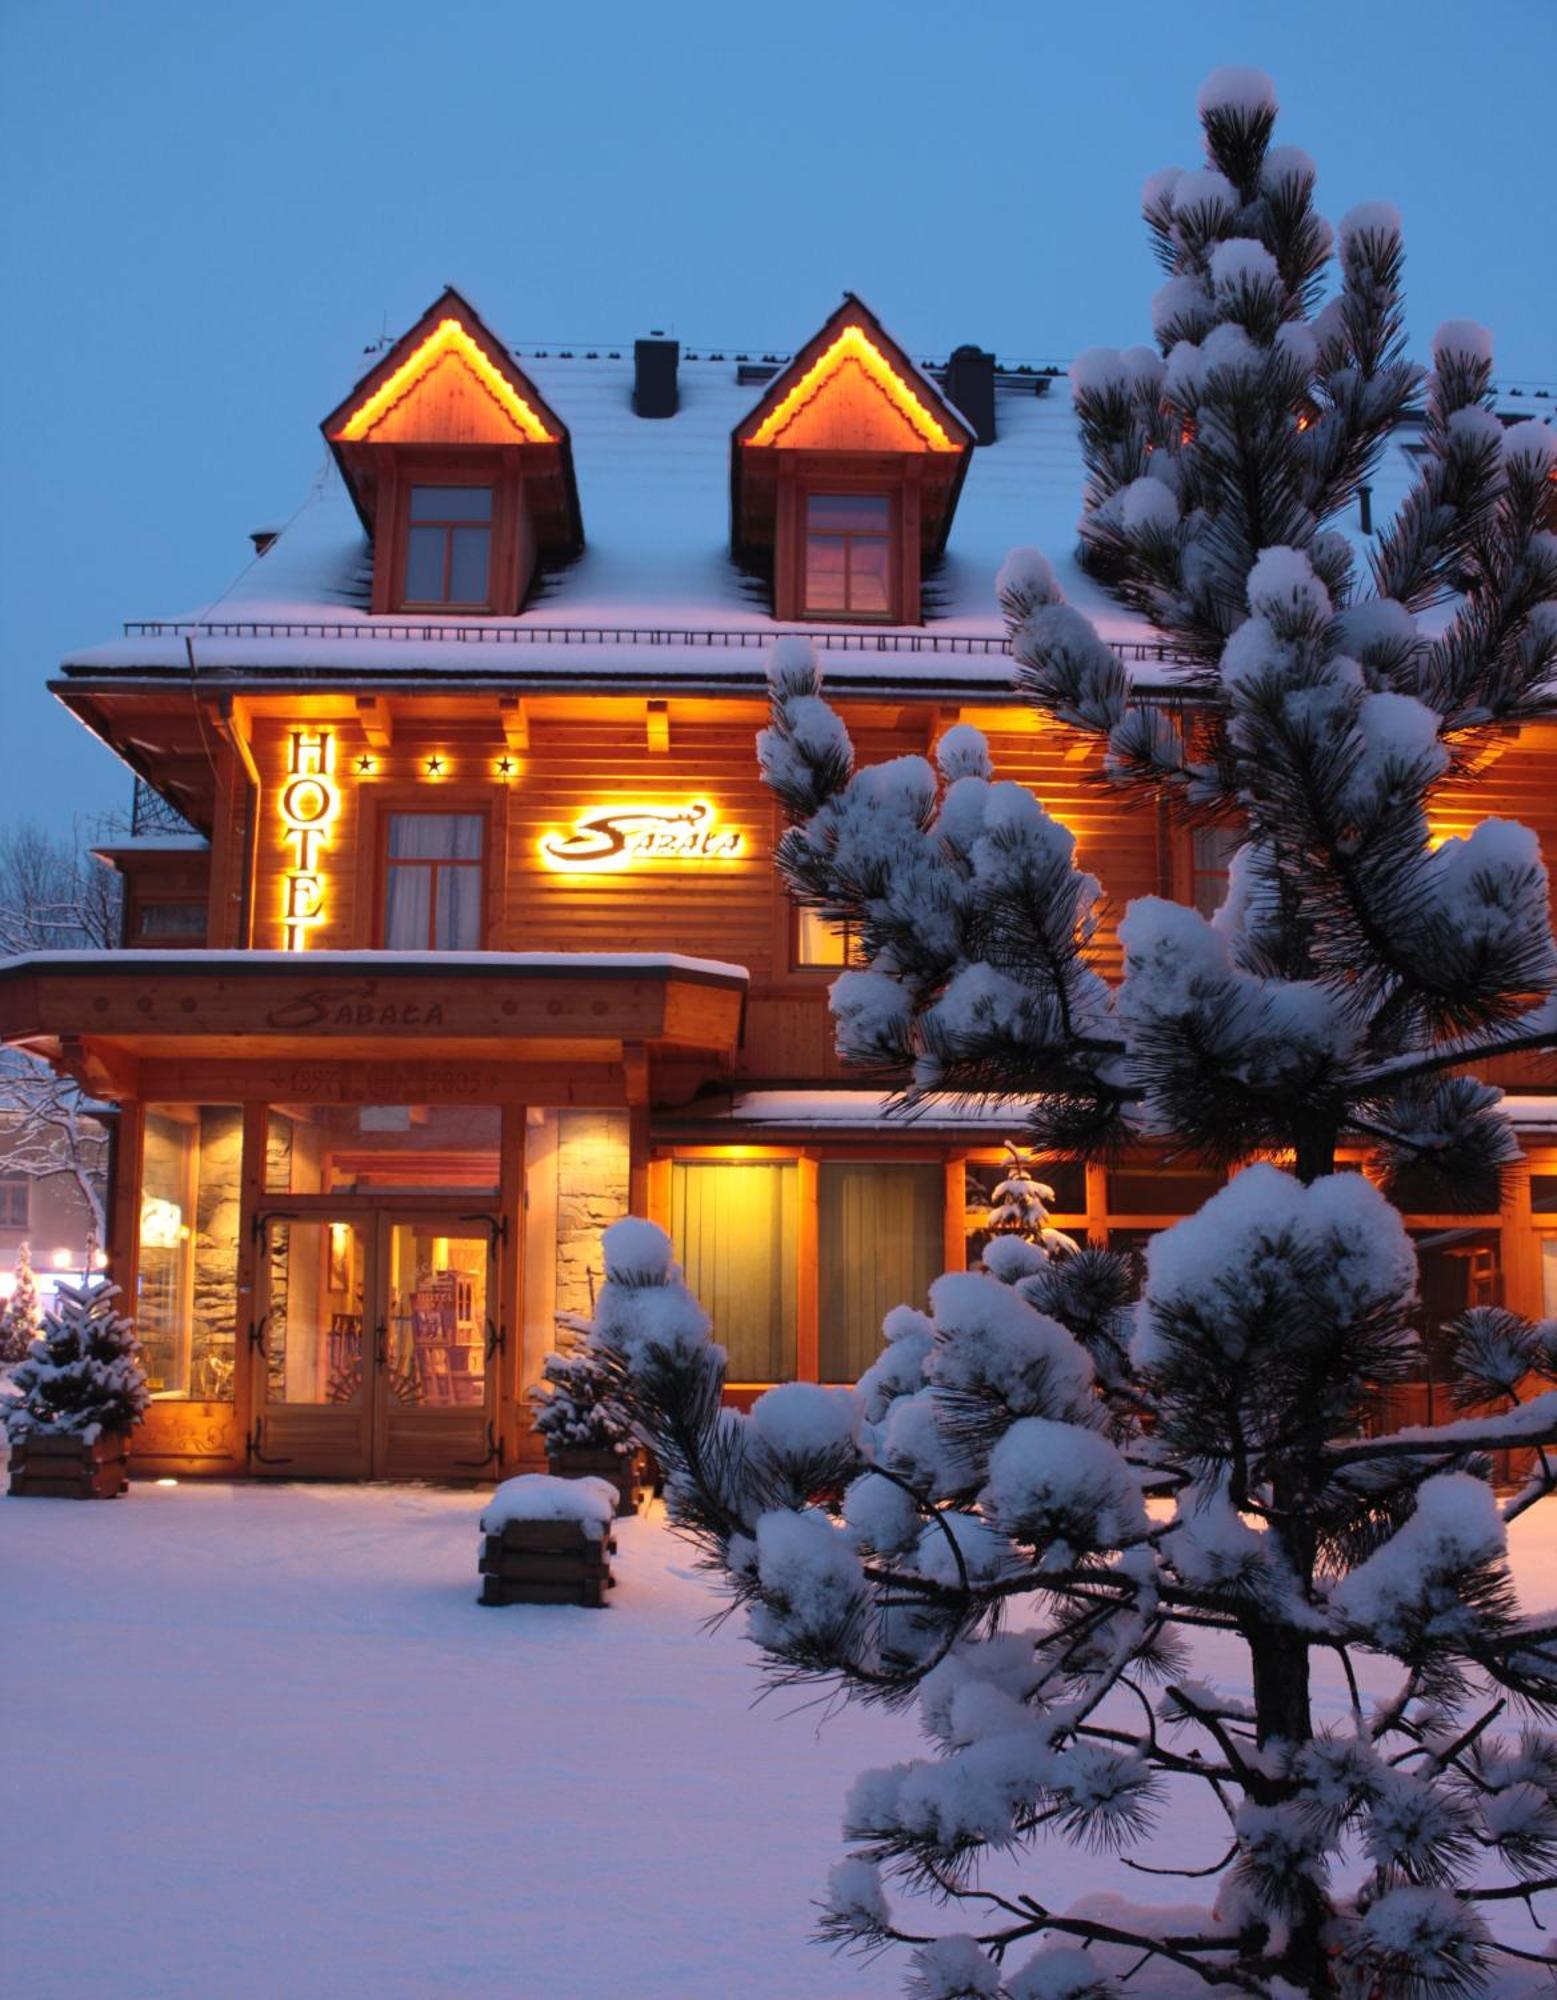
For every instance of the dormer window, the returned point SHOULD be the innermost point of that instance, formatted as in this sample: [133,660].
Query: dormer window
[461,473]
[845,476]
[448,554]
[848,555]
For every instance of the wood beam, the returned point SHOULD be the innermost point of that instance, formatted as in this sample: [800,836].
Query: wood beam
[516,722]
[657,726]
[374,720]
[102,1072]
[329,1080]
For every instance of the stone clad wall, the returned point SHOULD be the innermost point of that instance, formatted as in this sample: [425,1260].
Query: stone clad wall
[213,1345]
[592,1184]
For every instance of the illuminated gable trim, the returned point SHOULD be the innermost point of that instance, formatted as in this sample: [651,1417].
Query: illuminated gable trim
[447,338]
[852,345]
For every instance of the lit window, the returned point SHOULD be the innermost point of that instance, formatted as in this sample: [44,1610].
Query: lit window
[736,1232]
[448,550]
[848,555]
[433,881]
[819,942]
[155,921]
[880,1243]
[1211,852]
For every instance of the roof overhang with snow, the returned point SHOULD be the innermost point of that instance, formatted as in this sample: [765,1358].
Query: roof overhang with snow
[170,1024]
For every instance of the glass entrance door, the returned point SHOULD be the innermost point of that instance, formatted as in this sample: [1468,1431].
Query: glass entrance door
[372,1352]
[313,1348]
[431,1420]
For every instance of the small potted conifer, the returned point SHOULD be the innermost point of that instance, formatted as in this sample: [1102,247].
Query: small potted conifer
[75,1399]
[586,1428]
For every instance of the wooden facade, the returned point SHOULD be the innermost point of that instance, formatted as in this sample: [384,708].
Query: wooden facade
[470,963]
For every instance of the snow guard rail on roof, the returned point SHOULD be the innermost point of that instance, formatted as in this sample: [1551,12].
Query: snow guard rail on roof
[832,641]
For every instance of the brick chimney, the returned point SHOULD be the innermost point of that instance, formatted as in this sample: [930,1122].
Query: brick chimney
[654,376]
[970,385]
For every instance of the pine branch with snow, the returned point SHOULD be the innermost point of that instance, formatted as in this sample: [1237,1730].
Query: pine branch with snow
[1042,1491]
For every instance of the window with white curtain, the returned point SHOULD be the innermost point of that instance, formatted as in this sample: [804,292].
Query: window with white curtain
[434,872]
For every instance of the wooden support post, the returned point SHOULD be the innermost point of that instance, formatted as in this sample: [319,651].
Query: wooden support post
[229,821]
[635,1069]
[657,726]
[248,1386]
[808,1331]
[954,1243]
[124,1212]
[514,1429]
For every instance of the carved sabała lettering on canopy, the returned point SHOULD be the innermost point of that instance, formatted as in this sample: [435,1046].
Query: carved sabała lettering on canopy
[360,1006]
[623,836]
[308,803]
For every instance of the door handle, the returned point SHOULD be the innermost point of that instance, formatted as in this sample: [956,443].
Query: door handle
[257,1336]
[381,1343]
[497,1338]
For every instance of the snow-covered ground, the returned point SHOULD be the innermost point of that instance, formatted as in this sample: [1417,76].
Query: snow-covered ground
[263,1741]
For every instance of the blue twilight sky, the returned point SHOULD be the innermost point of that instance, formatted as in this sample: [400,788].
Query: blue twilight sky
[212,206]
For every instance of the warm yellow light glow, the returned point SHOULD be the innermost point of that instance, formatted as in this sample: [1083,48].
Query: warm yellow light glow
[62,1260]
[162,1223]
[1442,827]
[167,1482]
[852,345]
[308,803]
[627,835]
[448,337]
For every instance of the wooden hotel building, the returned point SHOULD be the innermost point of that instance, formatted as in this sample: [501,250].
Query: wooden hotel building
[473,941]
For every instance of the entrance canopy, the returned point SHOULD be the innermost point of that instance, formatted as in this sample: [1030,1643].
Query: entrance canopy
[184,1024]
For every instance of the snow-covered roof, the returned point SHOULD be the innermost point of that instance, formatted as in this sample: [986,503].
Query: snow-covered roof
[154,843]
[853,1110]
[539,963]
[655,596]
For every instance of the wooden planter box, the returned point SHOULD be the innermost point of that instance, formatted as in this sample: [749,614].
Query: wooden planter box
[626,1474]
[545,1562]
[70,1468]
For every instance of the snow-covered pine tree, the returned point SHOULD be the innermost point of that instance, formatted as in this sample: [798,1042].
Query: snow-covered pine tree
[576,1402]
[1043,1497]
[22,1320]
[83,1377]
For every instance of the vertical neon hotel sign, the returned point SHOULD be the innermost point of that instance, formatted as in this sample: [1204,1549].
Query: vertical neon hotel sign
[309,802]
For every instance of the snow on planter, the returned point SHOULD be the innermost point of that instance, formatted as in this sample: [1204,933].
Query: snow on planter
[547,1541]
[539,1496]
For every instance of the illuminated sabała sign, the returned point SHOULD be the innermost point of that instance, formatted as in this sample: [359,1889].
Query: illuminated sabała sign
[308,803]
[626,836]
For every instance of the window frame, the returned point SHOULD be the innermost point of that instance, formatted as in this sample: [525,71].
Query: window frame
[893,477]
[454,807]
[889,538]
[436,482]
[10,1185]
[853,955]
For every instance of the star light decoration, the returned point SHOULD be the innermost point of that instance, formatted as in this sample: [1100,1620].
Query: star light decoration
[364,766]
[434,767]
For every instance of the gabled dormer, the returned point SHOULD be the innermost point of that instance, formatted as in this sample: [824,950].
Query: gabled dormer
[462,474]
[844,478]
